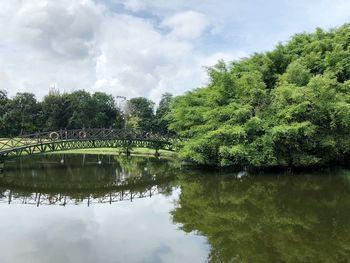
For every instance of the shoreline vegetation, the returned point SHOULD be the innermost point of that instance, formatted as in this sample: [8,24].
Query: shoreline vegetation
[285,108]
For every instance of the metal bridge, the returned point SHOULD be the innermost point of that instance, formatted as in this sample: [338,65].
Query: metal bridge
[42,142]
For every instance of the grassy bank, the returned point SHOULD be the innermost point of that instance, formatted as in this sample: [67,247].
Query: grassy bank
[117,151]
[6,143]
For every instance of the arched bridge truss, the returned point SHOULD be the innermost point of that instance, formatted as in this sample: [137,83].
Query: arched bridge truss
[62,140]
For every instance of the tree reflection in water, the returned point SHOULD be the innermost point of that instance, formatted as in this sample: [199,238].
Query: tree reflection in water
[76,179]
[298,218]
[262,218]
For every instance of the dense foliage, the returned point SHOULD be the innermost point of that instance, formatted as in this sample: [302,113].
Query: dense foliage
[287,107]
[25,114]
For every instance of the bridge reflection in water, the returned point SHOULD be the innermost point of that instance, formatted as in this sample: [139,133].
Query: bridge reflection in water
[45,180]
[62,199]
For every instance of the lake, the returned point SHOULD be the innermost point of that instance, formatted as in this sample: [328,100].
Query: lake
[94,208]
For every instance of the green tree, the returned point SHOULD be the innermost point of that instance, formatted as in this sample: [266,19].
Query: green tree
[21,114]
[133,123]
[161,121]
[288,107]
[56,112]
[143,109]
[105,110]
[3,103]
[297,74]
[82,113]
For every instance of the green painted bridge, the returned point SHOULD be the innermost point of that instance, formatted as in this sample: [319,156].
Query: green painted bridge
[43,142]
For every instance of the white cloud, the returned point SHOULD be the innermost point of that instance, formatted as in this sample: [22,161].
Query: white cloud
[186,25]
[137,60]
[80,44]
[145,49]
[64,28]
[49,42]
[134,5]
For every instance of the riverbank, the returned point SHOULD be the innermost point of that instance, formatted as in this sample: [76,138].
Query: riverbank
[119,151]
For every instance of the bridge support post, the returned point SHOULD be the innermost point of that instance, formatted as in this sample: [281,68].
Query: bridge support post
[2,166]
[157,154]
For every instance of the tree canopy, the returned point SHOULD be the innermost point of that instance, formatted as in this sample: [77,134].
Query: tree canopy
[286,107]
[141,113]
[79,109]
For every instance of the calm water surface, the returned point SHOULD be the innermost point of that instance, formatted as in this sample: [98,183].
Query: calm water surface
[89,208]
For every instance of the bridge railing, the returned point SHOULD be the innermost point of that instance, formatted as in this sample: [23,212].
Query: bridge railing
[81,134]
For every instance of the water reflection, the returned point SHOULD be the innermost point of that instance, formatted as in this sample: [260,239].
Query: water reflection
[137,231]
[58,180]
[118,209]
[295,218]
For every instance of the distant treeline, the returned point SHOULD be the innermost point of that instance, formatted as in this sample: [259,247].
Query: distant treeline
[286,107]
[23,113]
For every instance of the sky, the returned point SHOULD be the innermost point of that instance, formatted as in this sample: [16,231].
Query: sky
[143,47]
